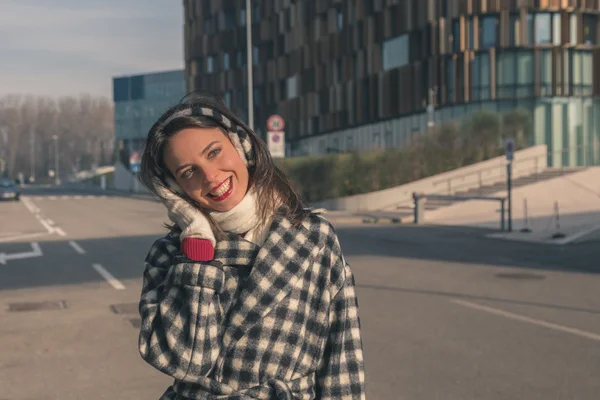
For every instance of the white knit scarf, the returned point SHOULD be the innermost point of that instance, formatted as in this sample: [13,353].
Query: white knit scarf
[243,219]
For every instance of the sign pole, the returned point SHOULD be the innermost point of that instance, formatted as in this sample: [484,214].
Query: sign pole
[509,151]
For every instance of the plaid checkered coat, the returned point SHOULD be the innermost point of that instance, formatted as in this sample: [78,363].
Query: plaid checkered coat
[277,321]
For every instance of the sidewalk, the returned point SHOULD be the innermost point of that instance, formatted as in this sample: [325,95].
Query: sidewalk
[574,198]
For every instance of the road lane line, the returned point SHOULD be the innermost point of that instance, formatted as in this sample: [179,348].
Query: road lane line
[77,247]
[50,222]
[47,226]
[21,237]
[60,231]
[522,318]
[114,282]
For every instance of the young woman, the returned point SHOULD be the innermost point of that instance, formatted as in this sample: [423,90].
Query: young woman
[248,296]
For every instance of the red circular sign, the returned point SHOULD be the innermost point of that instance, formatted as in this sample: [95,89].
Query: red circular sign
[275,123]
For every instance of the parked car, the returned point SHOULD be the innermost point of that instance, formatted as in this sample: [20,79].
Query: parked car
[8,190]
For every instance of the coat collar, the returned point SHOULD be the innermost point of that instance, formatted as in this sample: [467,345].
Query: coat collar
[277,267]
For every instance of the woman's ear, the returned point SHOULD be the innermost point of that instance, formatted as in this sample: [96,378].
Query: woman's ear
[174,186]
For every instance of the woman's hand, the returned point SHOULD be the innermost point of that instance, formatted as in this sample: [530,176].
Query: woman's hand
[197,238]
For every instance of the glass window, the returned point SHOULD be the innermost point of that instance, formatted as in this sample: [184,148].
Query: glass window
[292,87]
[587,72]
[456,35]
[524,73]
[340,20]
[506,77]
[226,61]
[556,29]
[395,52]
[475,77]
[514,31]
[471,35]
[589,29]
[546,72]
[543,32]
[576,72]
[209,64]
[489,32]
[255,12]
[243,17]
[256,96]
[255,55]
[228,99]
[450,80]
[485,76]
[529,29]
[573,28]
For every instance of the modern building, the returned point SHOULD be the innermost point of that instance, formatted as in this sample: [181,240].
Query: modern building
[139,101]
[360,74]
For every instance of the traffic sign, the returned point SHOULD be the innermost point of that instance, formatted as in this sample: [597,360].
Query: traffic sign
[276,144]
[275,123]
[509,148]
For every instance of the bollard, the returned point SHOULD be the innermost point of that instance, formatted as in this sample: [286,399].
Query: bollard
[419,210]
[525,228]
[558,234]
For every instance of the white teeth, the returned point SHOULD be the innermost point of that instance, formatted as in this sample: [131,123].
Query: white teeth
[222,189]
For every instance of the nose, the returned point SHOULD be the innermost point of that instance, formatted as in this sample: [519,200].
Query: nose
[211,174]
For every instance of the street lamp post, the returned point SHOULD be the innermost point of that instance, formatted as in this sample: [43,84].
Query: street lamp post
[32,155]
[249,62]
[56,165]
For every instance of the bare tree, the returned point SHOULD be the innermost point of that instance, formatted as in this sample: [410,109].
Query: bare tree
[82,125]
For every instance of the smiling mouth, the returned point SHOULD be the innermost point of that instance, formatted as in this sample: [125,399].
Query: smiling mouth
[222,191]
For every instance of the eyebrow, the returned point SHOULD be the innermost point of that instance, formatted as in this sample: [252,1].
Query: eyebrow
[207,148]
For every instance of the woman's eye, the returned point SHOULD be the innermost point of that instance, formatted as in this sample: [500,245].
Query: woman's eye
[214,153]
[187,174]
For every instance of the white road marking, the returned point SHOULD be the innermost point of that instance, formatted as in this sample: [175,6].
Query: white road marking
[47,226]
[50,222]
[37,252]
[77,247]
[60,231]
[522,318]
[114,282]
[21,237]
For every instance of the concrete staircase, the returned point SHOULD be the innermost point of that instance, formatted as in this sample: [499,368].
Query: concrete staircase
[404,212]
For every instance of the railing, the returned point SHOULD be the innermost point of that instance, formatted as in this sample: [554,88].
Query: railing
[529,166]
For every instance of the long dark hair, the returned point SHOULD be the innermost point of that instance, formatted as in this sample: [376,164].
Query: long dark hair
[270,183]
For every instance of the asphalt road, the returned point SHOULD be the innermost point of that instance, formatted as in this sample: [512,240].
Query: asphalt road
[446,313]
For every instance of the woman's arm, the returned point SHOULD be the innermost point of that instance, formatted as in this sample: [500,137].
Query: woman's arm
[341,372]
[180,313]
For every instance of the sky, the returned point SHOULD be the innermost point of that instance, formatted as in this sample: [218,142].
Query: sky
[70,47]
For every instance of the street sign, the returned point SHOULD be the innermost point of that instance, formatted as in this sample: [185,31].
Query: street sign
[275,123]
[135,162]
[509,148]
[276,144]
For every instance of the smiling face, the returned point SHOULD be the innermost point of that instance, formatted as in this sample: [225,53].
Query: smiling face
[207,167]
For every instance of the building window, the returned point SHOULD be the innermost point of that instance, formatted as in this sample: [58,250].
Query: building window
[255,12]
[450,79]
[226,61]
[529,29]
[471,37]
[589,29]
[243,17]
[587,73]
[209,64]
[456,35]
[255,55]
[340,20]
[240,58]
[543,31]
[256,96]
[489,32]
[292,87]
[556,29]
[506,75]
[524,73]
[514,31]
[546,73]
[349,143]
[476,77]
[573,29]
[227,99]
[395,52]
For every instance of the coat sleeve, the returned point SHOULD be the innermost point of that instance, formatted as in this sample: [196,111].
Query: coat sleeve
[341,374]
[180,313]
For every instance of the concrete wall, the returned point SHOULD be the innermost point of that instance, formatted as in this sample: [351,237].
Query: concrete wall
[526,162]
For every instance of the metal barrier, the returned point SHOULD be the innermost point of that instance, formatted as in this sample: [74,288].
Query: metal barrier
[421,198]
